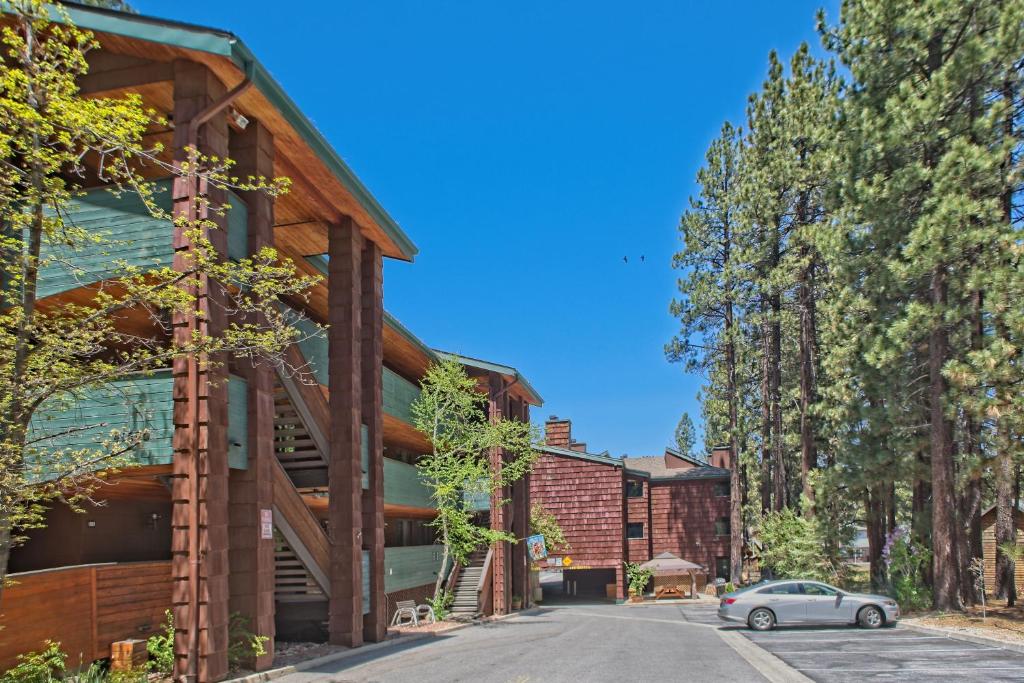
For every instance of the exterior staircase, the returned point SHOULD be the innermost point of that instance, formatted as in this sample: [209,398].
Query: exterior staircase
[467,586]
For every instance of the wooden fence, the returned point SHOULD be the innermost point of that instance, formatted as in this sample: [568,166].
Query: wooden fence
[85,608]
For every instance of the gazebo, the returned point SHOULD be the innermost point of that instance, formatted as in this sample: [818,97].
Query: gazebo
[667,570]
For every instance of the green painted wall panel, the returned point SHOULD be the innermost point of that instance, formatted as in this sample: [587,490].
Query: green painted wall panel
[403,485]
[410,566]
[129,233]
[132,404]
[399,393]
[366,582]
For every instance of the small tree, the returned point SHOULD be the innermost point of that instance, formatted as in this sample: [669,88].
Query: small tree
[793,547]
[452,413]
[686,436]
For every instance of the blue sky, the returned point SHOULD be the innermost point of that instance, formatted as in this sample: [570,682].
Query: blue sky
[527,147]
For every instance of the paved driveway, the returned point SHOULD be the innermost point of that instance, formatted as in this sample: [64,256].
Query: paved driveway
[831,655]
[578,643]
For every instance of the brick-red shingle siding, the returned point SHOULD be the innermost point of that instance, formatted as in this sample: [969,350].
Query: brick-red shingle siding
[586,497]
[637,511]
[683,513]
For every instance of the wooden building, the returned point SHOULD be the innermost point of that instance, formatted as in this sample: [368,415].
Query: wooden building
[988,548]
[293,501]
[616,510]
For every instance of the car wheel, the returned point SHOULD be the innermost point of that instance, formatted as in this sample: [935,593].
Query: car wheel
[871,617]
[761,619]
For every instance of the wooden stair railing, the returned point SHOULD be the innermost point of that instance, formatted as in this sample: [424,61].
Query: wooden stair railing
[301,530]
[301,426]
[486,585]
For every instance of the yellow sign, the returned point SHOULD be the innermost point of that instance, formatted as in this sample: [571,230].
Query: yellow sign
[567,561]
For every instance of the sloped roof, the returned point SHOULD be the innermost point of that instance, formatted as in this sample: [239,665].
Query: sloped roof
[654,466]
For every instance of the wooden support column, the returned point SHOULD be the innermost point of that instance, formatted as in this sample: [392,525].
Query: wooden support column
[499,561]
[199,545]
[520,561]
[344,315]
[251,490]
[375,621]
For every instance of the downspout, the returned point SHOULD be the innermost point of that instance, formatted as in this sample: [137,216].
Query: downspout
[192,140]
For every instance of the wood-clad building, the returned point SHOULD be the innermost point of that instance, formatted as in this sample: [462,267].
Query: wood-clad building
[290,498]
[988,547]
[616,510]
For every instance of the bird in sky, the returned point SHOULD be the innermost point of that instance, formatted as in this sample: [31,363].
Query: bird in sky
[625,259]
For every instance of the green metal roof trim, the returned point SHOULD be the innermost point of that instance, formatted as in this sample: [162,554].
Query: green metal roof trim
[494,367]
[226,44]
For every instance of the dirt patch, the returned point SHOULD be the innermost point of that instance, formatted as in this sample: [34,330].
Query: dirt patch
[436,627]
[999,622]
[288,653]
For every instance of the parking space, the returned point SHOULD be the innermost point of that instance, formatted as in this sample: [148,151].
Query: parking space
[831,655]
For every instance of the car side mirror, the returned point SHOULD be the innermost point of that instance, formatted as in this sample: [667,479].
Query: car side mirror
[839,598]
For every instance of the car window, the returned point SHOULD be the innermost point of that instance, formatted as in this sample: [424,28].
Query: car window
[781,589]
[818,589]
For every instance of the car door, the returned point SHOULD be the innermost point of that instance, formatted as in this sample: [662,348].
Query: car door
[786,602]
[823,603]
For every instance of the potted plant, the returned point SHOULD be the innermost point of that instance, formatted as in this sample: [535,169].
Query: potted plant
[517,601]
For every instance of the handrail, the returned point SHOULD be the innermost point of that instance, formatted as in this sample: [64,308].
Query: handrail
[486,570]
[453,577]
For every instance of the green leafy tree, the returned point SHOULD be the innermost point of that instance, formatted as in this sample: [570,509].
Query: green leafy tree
[452,413]
[791,547]
[54,351]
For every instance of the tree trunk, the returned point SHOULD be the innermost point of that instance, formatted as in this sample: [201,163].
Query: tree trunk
[1005,531]
[946,589]
[970,502]
[808,391]
[766,421]
[775,389]
[874,521]
[735,488]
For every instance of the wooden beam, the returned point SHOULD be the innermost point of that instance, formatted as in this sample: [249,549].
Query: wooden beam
[99,83]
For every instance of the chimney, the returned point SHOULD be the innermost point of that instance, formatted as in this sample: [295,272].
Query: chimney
[557,432]
[578,446]
[721,457]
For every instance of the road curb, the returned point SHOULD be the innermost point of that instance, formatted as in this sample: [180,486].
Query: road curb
[956,635]
[764,662]
[273,674]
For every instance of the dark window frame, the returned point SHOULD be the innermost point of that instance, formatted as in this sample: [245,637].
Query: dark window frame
[718,489]
[633,525]
[631,488]
[726,522]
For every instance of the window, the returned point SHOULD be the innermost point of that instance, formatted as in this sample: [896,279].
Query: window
[722,489]
[722,526]
[722,568]
[818,589]
[635,530]
[634,489]
[781,589]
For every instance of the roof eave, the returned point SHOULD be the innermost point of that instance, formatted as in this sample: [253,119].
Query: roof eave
[226,44]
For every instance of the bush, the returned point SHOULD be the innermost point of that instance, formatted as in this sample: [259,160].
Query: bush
[45,666]
[161,647]
[794,547]
[441,604]
[637,578]
[907,562]
[243,644]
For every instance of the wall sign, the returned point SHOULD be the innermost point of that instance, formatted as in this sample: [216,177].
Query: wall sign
[266,524]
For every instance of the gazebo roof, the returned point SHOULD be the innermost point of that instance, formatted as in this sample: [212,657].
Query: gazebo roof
[667,564]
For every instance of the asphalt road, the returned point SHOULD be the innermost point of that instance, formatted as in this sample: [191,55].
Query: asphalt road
[601,642]
[579,643]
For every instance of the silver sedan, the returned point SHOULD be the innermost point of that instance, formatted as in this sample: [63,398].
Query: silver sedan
[790,603]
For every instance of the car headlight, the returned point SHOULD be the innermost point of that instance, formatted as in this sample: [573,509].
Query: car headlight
[889,603]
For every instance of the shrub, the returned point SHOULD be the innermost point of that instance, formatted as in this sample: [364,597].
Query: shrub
[906,562]
[793,547]
[161,647]
[45,666]
[637,577]
[441,604]
[243,644]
